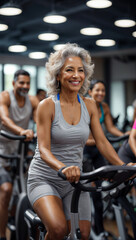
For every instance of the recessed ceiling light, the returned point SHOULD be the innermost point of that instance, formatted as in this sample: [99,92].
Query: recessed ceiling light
[134,34]
[105,42]
[48,36]
[3,27]
[54,19]
[17,48]
[37,55]
[58,46]
[10,9]
[91,31]
[99,3]
[125,23]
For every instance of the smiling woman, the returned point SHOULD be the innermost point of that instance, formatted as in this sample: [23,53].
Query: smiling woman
[56,62]
[64,120]
[71,76]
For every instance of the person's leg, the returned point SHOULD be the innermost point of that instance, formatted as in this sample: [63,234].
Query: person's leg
[84,209]
[50,211]
[85,227]
[5,194]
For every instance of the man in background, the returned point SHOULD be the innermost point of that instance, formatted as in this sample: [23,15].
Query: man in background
[41,94]
[16,109]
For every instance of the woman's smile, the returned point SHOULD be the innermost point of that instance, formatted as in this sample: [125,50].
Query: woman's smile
[72,73]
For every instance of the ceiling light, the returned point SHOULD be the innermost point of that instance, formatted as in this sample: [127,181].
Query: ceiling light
[54,18]
[48,36]
[17,48]
[58,46]
[3,27]
[10,9]
[134,34]
[105,42]
[99,3]
[125,23]
[37,55]
[91,31]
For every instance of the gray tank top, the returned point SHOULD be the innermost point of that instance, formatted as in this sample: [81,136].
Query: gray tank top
[21,117]
[67,142]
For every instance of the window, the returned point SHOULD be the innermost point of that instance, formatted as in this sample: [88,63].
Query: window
[41,81]
[9,70]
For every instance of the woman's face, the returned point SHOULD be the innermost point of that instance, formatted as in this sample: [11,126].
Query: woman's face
[72,74]
[98,92]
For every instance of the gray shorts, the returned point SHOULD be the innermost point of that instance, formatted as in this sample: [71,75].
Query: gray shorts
[37,188]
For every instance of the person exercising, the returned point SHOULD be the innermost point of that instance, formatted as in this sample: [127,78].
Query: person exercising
[16,109]
[127,151]
[64,120]
[97,91]
[41,94]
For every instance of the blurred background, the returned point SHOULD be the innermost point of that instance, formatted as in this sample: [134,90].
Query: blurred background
[31,29]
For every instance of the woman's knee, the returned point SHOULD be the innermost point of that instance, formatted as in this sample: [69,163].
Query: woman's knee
[85,227]
[6,191]
[59,231]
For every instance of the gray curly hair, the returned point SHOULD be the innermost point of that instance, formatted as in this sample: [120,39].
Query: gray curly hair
[56,61]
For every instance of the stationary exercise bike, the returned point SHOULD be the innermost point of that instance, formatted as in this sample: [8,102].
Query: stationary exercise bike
[114,175]
[18,162]
[88,165]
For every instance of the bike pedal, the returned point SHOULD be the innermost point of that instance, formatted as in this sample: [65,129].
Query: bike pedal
[11,227]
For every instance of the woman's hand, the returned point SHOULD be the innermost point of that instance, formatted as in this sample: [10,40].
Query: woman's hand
[72,173]
[132,164]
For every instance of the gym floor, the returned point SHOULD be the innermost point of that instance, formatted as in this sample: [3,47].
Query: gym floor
[110,225]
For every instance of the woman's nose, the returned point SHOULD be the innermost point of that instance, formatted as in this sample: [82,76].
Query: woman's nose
[75,74]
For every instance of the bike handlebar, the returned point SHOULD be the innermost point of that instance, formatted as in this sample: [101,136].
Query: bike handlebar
[14,136]
[11,135]
[117,139]
[115,174]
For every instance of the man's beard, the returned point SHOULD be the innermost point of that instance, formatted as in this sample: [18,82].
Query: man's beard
[23,92]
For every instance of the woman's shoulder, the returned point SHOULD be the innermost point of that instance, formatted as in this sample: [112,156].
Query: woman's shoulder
[88,100]
[105,106]
[90,104]
[46,105]
[48,102]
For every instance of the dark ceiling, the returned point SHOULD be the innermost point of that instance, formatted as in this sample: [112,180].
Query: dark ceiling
[24,28]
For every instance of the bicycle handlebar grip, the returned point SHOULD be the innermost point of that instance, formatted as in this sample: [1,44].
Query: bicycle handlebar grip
[117,139]
[60,174]
[12,136]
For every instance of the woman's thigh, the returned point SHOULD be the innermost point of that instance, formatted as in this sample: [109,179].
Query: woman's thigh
[50,211]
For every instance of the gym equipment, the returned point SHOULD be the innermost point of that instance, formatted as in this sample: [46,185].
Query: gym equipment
[16,224]
[115,175]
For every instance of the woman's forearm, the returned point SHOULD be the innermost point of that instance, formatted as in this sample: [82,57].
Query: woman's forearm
[109,153]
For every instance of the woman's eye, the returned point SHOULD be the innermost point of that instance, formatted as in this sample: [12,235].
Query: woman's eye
[68,70]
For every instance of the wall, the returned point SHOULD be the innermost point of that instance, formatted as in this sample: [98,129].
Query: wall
[123,78]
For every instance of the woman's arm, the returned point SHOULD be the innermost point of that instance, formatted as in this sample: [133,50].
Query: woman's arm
[132,138]
[102,143]
[90,141]
[134,114]
[109,123]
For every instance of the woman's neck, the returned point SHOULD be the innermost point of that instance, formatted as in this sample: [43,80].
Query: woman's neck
[69,98]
